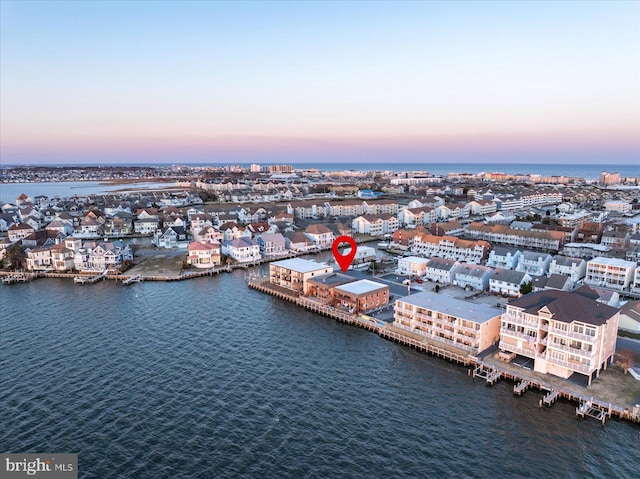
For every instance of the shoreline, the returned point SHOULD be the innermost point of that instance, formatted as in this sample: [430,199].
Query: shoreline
[483,365]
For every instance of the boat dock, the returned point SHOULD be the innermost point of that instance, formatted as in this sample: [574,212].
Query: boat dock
[132,279]
[90,279]
[21,277]
[491,373]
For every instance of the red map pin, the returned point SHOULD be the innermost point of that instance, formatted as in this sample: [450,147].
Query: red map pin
[344,260]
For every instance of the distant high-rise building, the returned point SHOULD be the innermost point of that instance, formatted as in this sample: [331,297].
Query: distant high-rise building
[607,178]
[280,168]
[255,168]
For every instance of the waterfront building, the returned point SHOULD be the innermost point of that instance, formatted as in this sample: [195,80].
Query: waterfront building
[294,273]
[321,287]
[204,255]
[503,257]
[412,217]
[101,256]
[361,296]
[575,268]
[243,250]
[321,236]
[448,321]
[450,228]
[412,266]
[441,270]
[375,225]
[170,237]
[564,333]
[38,259]
[364,254]
[498,233]
[507,282]
[272,244]
[472,276]
[298,242]
[61,257]
[611,273]
[451,247]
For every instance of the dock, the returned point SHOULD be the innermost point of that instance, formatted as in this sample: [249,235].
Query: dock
[132,279]
[550,398]
[491,373]
[90,279]
[519,389]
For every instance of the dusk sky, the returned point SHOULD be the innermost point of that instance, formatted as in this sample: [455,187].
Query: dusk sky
[113,81]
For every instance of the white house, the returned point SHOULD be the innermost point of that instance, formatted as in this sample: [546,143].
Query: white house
[575,268]
[204,255]
[501,257]
[472,276]
[441,270]
[243,250]
[534,263]
[412,265]
[507,282]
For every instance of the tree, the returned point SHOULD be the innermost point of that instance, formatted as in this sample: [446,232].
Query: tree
[437,288]
[14,257]
[627,359]
[526,288]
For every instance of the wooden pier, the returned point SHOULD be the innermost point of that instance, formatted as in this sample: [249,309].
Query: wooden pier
[519,389]
[491,375]
[21,277]
[90,279]
[550,398]
[132,279]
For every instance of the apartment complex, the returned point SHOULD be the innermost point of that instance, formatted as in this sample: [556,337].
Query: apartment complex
[564,333]
[452,322]
[294,273]
[610,273]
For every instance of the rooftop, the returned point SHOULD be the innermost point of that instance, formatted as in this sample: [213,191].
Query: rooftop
[478,313]
[300,265]
[363,286]
[613,262]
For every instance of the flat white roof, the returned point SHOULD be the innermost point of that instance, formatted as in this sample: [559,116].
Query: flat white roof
[361,287]
[414,259]
[301,265]
[478,313]
[613,262]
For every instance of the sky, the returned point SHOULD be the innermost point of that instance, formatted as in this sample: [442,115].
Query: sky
[285,82]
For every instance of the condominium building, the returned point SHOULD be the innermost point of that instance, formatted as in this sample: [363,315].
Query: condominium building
[575,268]
[294,273]
[564,333]
[452,322]
[610,273]
[361,296]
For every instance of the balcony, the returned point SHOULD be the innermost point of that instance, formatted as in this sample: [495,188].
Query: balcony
[516,334]
[569,349]
[585,338]
[534,324]
[529,353]
[578,367]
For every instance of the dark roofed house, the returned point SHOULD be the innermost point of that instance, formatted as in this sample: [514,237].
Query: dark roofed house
[564,332]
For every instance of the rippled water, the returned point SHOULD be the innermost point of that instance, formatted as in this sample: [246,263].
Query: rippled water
[206,378]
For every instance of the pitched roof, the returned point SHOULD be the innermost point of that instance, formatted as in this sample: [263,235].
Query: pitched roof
[567,306]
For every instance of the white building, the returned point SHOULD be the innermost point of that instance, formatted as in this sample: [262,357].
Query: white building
[294,273]
[617,206]
[412,265]
[575,268]
[441,270]
[534,263]
[611,273]
[507,282]
[472,276]
[243,250]
[500,257]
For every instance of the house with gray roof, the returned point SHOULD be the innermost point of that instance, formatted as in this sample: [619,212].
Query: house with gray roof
[507,282]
